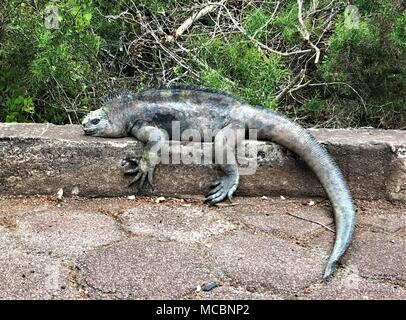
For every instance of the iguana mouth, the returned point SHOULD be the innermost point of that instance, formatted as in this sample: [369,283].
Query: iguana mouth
[89,132]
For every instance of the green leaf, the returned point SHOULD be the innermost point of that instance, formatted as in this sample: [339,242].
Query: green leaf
[87,17]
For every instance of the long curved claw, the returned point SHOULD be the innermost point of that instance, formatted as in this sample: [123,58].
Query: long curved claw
[144,176]
[220,197]
[131,171]
[147,177]
[132,161]
[225,187]
[214,195]
[215,183]
[142,173]
[215,189]
[151,177]
[135,179]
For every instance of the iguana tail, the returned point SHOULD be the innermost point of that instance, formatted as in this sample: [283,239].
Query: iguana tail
[275,127]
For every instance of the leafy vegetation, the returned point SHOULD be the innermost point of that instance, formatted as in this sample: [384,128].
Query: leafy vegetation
[59,58]
[254,75]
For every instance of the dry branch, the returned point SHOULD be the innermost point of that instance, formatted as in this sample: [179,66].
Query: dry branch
[290,85]
[344,84]
[260,44]
[189,21]
[305,33]
[312,221]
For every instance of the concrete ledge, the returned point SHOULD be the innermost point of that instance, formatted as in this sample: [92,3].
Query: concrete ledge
[41,159]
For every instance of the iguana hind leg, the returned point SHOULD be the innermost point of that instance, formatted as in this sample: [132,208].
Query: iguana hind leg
[226,142]
[225,186]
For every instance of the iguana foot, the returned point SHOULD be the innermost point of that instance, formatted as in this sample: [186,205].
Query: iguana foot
[143,170]
[221,189]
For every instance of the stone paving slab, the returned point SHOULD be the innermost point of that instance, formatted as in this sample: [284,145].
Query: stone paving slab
[116,248]
[142,268]
[379,247]
[394,223]
[348,284]
[291,220]
[260,262]
[31,276]
[6,241]
[388,250]
[65,232]
[184,223]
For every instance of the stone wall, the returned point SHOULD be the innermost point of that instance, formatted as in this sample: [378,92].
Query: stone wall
[41,159]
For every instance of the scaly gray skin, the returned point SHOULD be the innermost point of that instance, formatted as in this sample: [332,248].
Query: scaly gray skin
[149,114]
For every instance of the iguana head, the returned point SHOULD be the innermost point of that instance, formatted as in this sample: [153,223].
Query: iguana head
[97,123]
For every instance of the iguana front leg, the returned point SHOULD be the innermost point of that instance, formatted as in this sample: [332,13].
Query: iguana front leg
[225,142]
[154,139]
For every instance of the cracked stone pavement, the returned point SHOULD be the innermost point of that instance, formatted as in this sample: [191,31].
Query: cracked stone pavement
[255,248]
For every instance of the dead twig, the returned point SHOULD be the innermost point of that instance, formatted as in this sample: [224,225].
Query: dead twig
[196,16]
[201,63]
[341,83]
[111,17]
[308,220]
[269,20]
[290,85]
[260,44]
[300,86]
[305,33]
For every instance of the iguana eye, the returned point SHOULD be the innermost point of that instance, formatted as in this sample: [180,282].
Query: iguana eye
[95,121]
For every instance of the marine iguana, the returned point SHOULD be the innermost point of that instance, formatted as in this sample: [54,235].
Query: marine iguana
[147,115]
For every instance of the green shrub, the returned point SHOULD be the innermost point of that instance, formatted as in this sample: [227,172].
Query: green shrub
[37,61]
[371,59]
[19,109]
[50,56]
[313,105]
[287,23]
[348,51]
[250,72]
[155,6]
[255,24]
[214,79]
[56,73]
[398,33]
